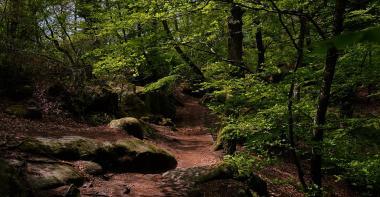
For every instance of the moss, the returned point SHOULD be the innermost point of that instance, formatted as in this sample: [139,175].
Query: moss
[166,84]
[124,155]
[10,182]
[69,147]
[17,110]
[139,146]
[145,157]
[222,171]
[223,135]
[131,125]
[45,176]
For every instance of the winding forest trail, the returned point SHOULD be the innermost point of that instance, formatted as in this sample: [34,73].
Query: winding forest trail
[191,144]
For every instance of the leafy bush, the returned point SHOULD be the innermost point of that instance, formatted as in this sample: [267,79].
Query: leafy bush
[166,84]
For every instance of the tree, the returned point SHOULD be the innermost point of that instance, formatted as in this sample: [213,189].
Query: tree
[235,39]
[323,101]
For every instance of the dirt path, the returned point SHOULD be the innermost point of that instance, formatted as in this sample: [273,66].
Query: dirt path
[191,144]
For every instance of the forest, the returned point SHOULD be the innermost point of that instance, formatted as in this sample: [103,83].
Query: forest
[212,98]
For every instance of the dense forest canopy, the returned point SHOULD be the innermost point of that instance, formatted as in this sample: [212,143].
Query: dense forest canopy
[286,78]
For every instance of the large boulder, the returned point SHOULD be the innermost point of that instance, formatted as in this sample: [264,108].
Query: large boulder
[20,93]
[23,111]
[63,191]
[226,171]
[92,98]
[160,102]
[131,125]
[145,157]
[43,175]
[11,183]
[221,188]
[68,147]
[124,155]
[132,105]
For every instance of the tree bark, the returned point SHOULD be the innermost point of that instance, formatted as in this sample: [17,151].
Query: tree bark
[181,53]
[235,39]
[14,19]
[323,101]
[56,43]
[260,48]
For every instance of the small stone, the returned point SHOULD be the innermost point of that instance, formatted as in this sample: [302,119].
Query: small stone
[89,167]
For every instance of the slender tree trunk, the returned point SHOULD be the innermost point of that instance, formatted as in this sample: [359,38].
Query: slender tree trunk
[323,101]
[299,62]
[181,53]
[308,37]
[14,19]
[235,39]
[260,48]
[57,45]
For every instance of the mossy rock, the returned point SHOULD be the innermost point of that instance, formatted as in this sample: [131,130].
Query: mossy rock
[124,155]
[17,110]
[145,157]
[225,140]
[226,171]
[133,126]
[68,147]
[21,93]
[369,133]
[52,175]
[89,167]
[132,105]
[221,171]
[221,188]
[63,191]
[22,111]
[11,183]
[160,103]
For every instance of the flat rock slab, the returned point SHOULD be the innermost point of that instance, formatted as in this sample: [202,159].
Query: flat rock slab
[52,175]
[67,147]
[11,184]
[126,155]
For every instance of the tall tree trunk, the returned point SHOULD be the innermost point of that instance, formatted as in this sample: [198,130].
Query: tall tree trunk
[235,39]
[328,76]
[181,53]
[291,97]
[260,48]
[14,19]
[308,37]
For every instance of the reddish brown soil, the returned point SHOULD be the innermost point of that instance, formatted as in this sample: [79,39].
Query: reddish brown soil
[191,144]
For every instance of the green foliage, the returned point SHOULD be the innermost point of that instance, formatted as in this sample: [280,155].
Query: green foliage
[167,84]
[246,163]
[124,42]
[370,35]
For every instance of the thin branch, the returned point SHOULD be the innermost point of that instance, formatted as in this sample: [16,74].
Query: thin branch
[66,33]
[293,40]
[178,49]
[56,43]
[3,13]
[317,27]
[219,57]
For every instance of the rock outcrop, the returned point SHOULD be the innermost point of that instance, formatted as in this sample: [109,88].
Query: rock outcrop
[47,175]
[127,155]
[11,183]
[131,125]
